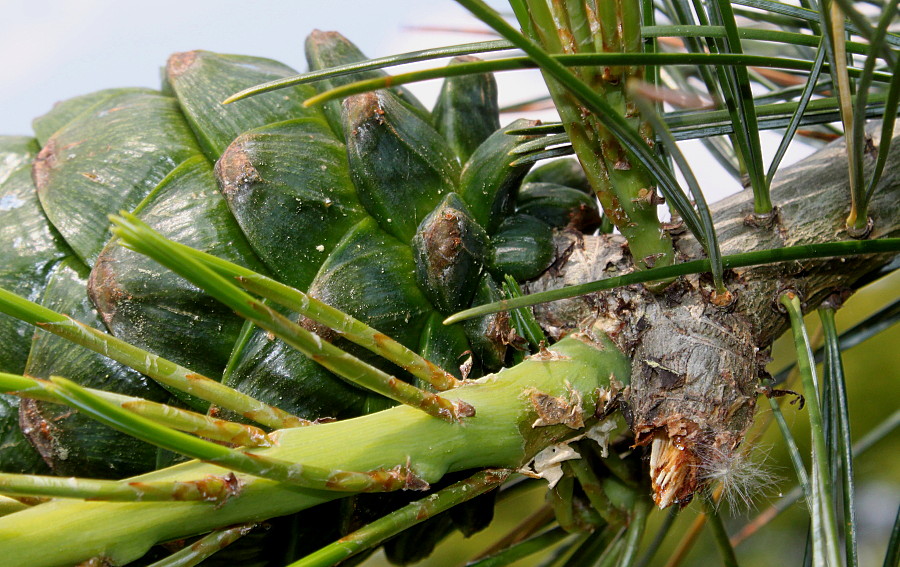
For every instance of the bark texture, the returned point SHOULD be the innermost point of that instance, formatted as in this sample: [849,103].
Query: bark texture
[695,366]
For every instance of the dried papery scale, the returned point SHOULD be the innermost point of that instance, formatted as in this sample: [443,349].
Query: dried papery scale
[694,366]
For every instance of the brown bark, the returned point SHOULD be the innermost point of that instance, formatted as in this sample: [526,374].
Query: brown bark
[695,366]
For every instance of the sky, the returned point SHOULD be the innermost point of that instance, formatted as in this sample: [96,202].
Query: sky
[56,49]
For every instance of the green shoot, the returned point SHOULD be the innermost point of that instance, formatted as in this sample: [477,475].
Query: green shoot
[376,532]
[203,548]
[160,369]
[176,418]
[342,323]
[522,549]
[825,250]
[821,504]
[214,489]
[145,240]
[241,461]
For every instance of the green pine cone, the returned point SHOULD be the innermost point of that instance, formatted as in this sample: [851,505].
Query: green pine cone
[267,184]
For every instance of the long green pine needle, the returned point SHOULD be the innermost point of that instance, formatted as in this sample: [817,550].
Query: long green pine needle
[841,440]
[205,547]
[595,103]
[825,542]
[809,251]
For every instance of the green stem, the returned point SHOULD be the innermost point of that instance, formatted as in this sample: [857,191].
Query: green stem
[147,241]
[660,536]
[714,521]
[857,219]
[576,60]
[773,35]
[623,188]
[875,435]
[176,418]
[758,258]
[892,555]
[842,449]
[739,81]
[209,544]
[522,549]
[216,489]
[663,133]
[499,436]
[793,452]
[887,129]
[610,117]
[160,369]
[592,547]
[523,320]
[636,527]
[647,32]
[369,65]
[802,103]
[862,194]
[297,474]
[613,551]
[593,489]
[10,505]
[378,531]
[350,328]
[345,325]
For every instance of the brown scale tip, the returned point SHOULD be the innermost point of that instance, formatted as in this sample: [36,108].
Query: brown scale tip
[178,63]
[673,471]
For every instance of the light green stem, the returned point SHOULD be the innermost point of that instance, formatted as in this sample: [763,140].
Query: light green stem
[350,328]
[9,505]
[195,553]
[176,418]
[500,435]
[715,524]
[208,489]
[623,188]
[841,442]
[530,546]
[635,532]
[160,369]
[375,533]
[822,503]
[758,258]
[298,474]
[857,218]
[147,241]
[345,325]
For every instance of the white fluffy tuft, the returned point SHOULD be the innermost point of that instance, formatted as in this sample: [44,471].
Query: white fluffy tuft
[743,475]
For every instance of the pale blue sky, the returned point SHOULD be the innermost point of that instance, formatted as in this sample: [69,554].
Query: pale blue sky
[56,49]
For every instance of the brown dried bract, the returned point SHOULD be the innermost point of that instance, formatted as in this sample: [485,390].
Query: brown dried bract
[553,411]
[235,171]
[673,471]
[178,63]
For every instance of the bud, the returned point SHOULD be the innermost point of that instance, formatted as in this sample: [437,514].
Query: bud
[449,249]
